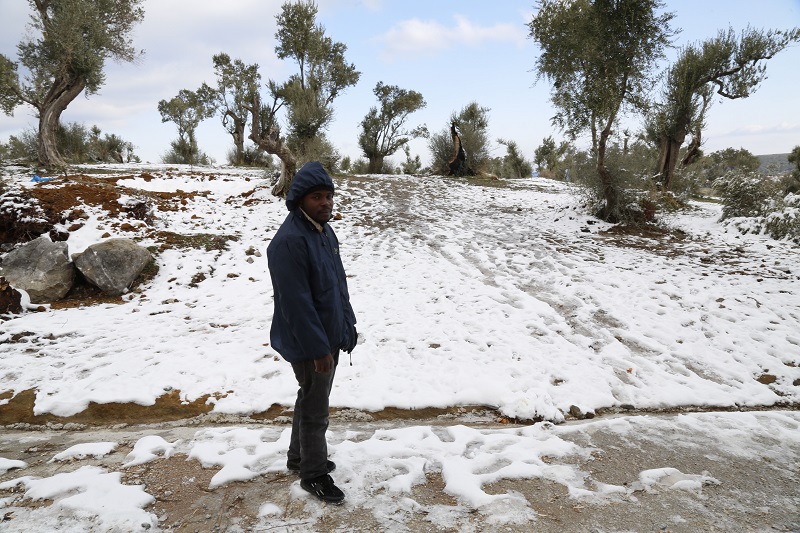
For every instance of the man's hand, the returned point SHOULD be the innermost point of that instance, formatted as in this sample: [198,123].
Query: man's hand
[348,348]
[323,365]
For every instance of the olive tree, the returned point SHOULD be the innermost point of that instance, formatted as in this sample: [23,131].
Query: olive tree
[382,130]
[63,55]
[791,181]
[727,65]
[548,157]
[236,85]
[473,126]
[513,164]
[599,56]
[186,110]
[307,96]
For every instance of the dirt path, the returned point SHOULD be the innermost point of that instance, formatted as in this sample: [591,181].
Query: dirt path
[754,487]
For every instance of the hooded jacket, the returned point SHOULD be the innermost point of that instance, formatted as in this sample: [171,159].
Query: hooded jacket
[312,316]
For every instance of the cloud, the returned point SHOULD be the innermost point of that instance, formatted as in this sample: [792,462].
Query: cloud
[760,129]
[416,37]
[332,5]
[373,5]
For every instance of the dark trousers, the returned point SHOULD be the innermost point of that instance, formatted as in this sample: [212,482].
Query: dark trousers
[310,421]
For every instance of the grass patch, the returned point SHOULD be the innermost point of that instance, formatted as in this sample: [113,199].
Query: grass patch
[198,241]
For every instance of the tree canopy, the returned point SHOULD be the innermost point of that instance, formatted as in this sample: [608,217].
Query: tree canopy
[382,129]
[63,55]
[323,74]
[236,85]
[599,56]
[323,71]
[729,65]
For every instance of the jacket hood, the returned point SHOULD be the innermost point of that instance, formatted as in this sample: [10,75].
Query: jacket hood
[311,176]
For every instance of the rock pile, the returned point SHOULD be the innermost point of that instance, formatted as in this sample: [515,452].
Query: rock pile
[45,271]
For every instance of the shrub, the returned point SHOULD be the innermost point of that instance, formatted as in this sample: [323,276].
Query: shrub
[753,203]
[182,152]
[632,174]
[744,194]
[25,146]
[77,144]
[784,221]
[318,148]
[359,166]
[253,156]
[411,165]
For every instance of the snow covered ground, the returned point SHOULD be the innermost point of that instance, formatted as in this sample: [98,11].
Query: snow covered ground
[465,295]
[679,473]
[500,294]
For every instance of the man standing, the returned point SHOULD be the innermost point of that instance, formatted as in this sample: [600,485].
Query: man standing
[312,320]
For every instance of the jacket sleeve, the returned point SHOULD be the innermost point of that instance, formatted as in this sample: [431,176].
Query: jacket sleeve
[350,316]
[290,271]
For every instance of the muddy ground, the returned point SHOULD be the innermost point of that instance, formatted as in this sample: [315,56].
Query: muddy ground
[754,494]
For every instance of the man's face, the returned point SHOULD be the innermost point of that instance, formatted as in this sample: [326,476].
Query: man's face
[318,205]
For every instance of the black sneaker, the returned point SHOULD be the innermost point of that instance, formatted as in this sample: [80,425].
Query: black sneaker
[295,467]
[323,488]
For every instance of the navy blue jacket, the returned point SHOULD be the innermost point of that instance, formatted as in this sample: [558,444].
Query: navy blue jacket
[312,316]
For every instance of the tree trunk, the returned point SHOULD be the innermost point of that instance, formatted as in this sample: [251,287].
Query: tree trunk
[238,132]
[62,93]
[669,149]
[693,152]
[238,147]
[375,165]
[457,166]
[270,141]
[610,212]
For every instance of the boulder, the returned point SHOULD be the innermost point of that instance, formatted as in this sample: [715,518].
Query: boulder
[112,265]
[42,268]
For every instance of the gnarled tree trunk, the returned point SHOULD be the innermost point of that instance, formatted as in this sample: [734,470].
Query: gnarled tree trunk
[693,152]
[611,211]
[269,140]
[237,131]
[62,93]
[375,165]
[668,152]
[457,166]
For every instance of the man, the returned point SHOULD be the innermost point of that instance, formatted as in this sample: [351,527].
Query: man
[312,321]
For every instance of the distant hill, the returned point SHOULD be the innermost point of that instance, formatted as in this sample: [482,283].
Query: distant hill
[774,162]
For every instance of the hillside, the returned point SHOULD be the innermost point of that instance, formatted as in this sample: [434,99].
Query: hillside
[778,163]
[495,294]
[660,364]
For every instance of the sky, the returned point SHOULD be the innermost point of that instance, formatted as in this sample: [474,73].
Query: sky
[453,53]
[505,295]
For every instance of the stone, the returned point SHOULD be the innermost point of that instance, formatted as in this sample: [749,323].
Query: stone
[41,268]
[112,265]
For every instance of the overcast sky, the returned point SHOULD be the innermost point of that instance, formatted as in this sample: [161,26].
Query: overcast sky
[453,52]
